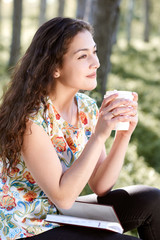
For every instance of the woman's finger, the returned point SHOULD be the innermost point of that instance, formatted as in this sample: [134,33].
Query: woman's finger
[108,100]
[135,96]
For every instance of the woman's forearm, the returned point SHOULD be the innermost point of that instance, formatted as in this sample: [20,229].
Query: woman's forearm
[76,177]
[108,171]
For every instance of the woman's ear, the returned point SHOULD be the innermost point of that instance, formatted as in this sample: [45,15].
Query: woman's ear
[56,74]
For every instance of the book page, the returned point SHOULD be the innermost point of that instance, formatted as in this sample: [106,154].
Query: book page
[61,219]
[91,211]
[88,215]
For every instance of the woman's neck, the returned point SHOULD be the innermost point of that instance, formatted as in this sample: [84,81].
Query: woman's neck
[66,105]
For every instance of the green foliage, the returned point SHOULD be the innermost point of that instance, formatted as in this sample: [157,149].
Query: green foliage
[136,68]
[138,18]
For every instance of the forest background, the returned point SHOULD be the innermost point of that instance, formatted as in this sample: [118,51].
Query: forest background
[127,33]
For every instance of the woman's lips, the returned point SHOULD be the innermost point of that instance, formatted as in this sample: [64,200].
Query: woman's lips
[92,75]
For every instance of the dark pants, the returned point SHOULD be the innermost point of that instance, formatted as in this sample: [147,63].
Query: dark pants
[136,206]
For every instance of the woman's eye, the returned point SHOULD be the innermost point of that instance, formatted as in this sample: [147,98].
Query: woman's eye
[83,56]
[95,52]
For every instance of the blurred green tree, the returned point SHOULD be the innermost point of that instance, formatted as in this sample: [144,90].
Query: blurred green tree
[16,32]
[105,19]
[147,6]
[61,8]
[80,9]
[42,15]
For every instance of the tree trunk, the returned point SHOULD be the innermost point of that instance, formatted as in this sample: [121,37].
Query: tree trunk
[84,8]
[88,5]
[16,32]
[81,4]
[61,7]
[146,20]
[129,19]
[0,18]
[105,17]
[42,15]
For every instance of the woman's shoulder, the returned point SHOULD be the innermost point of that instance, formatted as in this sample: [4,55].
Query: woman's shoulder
[87,107]
[39,117]
[84,99]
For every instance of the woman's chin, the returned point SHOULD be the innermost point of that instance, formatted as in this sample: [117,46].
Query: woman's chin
[91,86]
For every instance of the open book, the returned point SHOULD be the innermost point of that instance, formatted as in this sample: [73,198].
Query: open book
[88,215]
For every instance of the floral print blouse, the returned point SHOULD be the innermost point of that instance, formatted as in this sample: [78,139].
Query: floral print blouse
[23,205]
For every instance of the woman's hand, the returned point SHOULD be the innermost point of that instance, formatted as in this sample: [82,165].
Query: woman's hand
[114,110]
[133,117]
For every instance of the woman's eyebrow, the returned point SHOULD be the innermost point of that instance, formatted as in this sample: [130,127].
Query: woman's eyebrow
[83,49]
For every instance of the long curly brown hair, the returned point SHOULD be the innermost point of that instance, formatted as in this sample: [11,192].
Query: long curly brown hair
[31,82]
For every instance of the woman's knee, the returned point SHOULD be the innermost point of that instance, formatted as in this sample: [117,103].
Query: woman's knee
[136,198]
[144,195]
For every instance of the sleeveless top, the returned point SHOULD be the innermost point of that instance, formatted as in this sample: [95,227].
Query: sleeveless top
[23,205]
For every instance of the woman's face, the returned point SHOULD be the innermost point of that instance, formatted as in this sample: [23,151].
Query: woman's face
[80,63]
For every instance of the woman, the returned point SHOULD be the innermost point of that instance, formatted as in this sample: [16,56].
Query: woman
[52,141]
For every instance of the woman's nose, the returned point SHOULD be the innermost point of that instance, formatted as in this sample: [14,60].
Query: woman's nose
[95,63]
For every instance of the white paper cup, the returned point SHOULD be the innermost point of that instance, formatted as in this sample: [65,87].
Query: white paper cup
[121,94]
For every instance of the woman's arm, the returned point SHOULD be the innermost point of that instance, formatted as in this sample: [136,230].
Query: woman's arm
[108,167]
[45,167]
